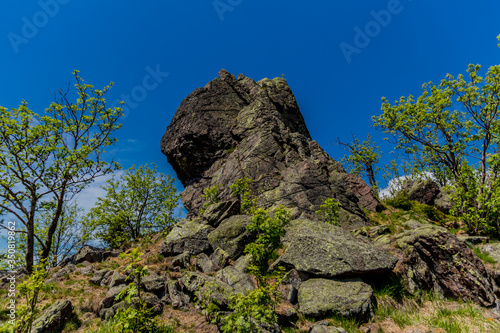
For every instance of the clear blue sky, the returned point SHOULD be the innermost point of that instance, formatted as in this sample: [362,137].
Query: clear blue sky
[123,41]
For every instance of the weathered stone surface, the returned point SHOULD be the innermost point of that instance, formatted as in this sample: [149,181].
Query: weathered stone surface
[218,212]
[241,282]
[53,319]
[90,254]
[205,264]
[436,260]
[178,299]
[492,249]
[473,240]
[325,250]
[70,268]
[443,201]
[349,298]
[182,260]
[220,258]
[231,235]
[322,327]
[238,127]
[201,286]
[422,190]
[186,236]
[110,298]
[117,279]
[154,283]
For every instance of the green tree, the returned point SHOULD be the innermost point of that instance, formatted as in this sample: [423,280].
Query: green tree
[140,203]
[329,211]
[449,124]
[53,156]
[362,159]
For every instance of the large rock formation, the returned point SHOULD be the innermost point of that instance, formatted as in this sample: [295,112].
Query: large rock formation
[235,128]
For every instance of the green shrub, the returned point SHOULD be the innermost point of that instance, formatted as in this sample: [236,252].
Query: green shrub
[241,190]
[401,201]
[329,211]
[211,196]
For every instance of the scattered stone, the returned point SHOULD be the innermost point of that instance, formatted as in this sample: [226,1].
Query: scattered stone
[243,263]
[182,260]
[474,240]
[68,269]
[53,318]
[105,281]
[90,254]
[98,276]
[111,296]
[241,282]
[205,264]
[178,299]
[117,279]
[220,258]
[326,250]
[322,327]
[348,298]
[186,236]
[155,284]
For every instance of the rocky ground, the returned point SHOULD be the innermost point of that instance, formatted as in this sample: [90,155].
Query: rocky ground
[382,269]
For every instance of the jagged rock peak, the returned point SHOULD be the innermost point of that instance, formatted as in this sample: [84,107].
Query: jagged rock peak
[235,127]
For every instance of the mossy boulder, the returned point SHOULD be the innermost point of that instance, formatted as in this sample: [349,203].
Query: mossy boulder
[187,236]
[231,235]
[349,298]
[53,318]
[326,250]
[240,281]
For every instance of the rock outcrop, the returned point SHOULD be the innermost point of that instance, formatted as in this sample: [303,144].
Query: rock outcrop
[234,128]
[53,318]
[437,260]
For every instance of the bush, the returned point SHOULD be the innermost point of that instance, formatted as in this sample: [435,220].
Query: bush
[401,201]
[329,211]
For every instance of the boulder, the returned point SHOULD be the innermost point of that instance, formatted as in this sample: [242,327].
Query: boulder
[178,298]
[98,277]
[240,282]
[205,264]
[234,128]
[202,286]
[348,298]
[322,327]
[186,236]
[325,250]
[443,201]
[424,191]
[155,284]
[53,318]
[182,260]
[110,298]
[436,260]
[90,254]
[117,279]
[492,249]
[220,258]
[231,235]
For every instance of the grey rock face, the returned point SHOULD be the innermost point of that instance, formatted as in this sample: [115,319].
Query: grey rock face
[238,127]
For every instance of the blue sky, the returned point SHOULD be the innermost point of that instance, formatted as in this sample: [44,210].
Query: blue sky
[182,45]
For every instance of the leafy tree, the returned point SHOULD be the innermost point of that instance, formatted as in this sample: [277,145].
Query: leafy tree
[449,124]
[211,196]
[362,159]
[51,157]
[140,203]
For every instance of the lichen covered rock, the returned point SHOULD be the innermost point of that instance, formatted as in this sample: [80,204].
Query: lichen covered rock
[186,236]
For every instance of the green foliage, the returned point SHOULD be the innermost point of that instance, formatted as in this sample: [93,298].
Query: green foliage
[211,196]
[209,305]
[269,230]
[52,156]
[449,124]
[477,203]
[241,190]
[30,290]
[138,204]
[252,309]
[362,159]
[401,201]
[483,256]
[329,211]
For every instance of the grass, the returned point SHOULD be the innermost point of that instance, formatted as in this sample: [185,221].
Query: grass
[483,256]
